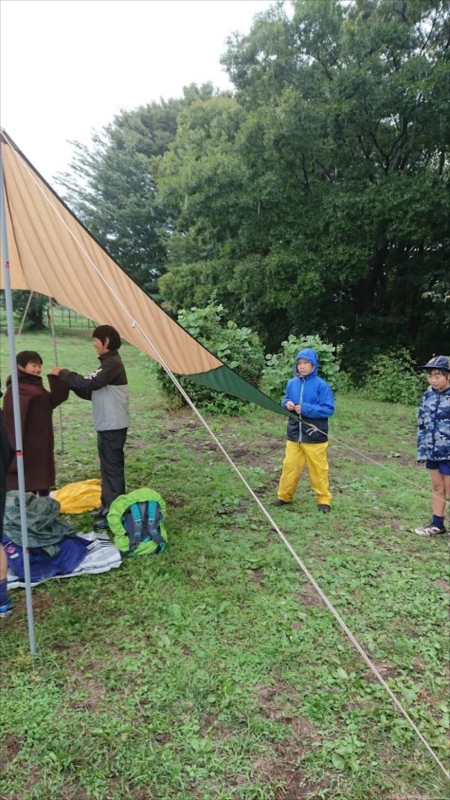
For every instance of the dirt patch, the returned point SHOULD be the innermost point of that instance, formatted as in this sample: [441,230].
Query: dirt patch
[276,701]
[309,597]
[34,775]
[69,793]
[281,769]
[381,459]
[41,601]
[137,444]
[60,645]
[163,738]
[283,766]
[442,583]
[410,796]
[11,747]
[181,420]
[92,696]
[384,670]
[203,447]
[243,504]
[212,728]
[175,502]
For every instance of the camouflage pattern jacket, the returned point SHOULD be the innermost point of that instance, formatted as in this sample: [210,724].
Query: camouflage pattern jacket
[433,434]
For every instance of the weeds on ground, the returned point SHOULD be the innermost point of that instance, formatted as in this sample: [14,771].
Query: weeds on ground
[215,671]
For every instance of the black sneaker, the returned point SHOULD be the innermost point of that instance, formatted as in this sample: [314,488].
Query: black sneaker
[323,508]
[101,524]
[279,502]
[98,513]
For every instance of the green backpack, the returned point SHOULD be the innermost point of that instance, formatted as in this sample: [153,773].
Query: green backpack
[136,520]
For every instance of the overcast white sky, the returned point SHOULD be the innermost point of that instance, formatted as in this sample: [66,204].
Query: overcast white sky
[67,66]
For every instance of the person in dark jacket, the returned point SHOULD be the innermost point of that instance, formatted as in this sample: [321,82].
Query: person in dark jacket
[311,398]
[107,387]
[36,411]
[433,440]
[6,455]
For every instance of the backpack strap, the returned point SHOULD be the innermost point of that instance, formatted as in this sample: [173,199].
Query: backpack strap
[132,520]
[152,515]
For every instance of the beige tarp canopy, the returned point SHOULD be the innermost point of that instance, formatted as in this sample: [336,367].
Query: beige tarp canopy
[50,252]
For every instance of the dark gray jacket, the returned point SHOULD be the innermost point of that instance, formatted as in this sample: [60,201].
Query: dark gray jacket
[107,387]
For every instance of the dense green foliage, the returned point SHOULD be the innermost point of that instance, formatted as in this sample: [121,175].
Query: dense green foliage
[238,348]
[315,198]
[318,196]
[112,189]
[393,377]
[280,365]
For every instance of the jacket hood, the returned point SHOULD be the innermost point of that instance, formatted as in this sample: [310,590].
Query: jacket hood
[24,376]
[309,355]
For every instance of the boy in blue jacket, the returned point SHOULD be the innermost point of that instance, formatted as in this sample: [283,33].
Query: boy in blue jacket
[311,398]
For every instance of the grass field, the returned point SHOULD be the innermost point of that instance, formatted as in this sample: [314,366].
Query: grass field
[214,671]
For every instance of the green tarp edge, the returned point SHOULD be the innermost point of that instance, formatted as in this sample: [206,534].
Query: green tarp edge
[223,379]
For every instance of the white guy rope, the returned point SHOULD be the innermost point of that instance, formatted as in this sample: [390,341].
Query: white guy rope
[312,580]
[22,322]
[380,465]
[286,542]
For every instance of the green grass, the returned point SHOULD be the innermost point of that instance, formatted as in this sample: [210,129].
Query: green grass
[214,671]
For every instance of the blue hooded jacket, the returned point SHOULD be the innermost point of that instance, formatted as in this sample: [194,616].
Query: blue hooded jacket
[315,397]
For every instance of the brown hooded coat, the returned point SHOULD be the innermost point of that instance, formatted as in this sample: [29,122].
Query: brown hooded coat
[36,410]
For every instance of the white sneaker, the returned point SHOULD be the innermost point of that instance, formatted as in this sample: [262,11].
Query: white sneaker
[429,530]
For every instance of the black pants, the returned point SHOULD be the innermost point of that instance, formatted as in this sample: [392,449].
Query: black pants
[112,465]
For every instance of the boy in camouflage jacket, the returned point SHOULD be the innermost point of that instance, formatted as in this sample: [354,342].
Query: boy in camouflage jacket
[433,439]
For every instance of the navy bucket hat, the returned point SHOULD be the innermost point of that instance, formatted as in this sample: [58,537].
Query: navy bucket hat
[438,362]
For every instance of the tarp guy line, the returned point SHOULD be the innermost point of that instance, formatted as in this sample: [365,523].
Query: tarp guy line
[314,583]
[382,466]
[22,321]
[135,325]
[216,383]
[309,576]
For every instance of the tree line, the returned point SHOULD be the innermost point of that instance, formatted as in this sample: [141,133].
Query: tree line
[312,199]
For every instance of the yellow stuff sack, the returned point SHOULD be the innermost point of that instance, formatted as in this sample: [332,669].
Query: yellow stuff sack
[74,498]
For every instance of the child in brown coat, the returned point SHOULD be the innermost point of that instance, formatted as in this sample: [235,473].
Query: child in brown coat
[36,411]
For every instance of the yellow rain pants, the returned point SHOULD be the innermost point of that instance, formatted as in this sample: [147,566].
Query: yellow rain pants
[315,457]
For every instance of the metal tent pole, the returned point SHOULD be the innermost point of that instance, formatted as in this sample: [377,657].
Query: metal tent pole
[16,407]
